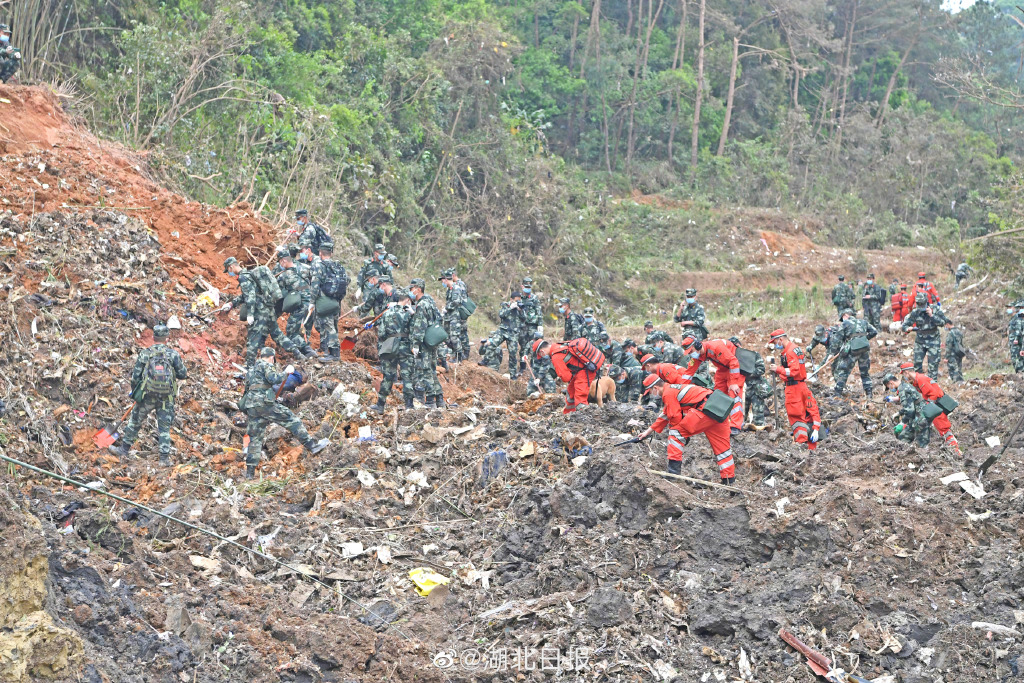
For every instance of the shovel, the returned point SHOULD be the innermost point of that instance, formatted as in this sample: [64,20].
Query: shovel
[993,458]
[108,435]
[348,343]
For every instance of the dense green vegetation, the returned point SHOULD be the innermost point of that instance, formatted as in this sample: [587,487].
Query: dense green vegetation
[476,130]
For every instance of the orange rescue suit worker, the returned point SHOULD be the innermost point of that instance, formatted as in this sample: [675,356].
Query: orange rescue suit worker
[576,363]
[728,379]
[801,408]
[681,413]
[930,391]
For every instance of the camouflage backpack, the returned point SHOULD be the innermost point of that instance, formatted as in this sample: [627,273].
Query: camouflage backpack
[158,377]
[270,290]
[335,282]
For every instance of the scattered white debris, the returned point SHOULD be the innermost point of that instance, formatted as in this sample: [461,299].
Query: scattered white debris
[973,488]
[955,477]
[366,479]
[992,441]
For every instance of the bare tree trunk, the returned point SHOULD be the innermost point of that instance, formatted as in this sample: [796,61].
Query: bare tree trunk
[694,134]
[677,61]
[846,74]
[884,109]
[729,98]
[570,138]
[636,81]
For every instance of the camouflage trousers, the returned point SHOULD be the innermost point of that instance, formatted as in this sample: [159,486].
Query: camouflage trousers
[492,355]
[1016,360]
[844,366]
[8,67]
[390,369]
[873,314]
[493,358]
[164,408]
[931,347]
[424,377]
[758,390]
[262,417]
[294,328]
[464,339]
[327,326]
[954,364]
[918,431]
[264,325]
[455,326]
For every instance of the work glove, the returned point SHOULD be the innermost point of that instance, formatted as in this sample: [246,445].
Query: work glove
[590,367]
[889,399]
[226,307]
[514,305]
[539,332]
[367,326]
[814,436]
[289,370]
[358,295]
[415,352]
[250,320]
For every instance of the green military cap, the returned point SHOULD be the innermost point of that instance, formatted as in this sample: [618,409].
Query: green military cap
[888,377]
[392,258]
[871,276]
[378,247]
[589,310]
[384,278]
[402,293]
[564,300]
[418,282]
[446,273]
[604,337]
[294,249]
[283,254]
[301,212]
[614,370]
[228,262]
[920,298]
[159,331]
[527,280]
[5,27]
[266,352]
[735,341]
[847,310]
[1019,303]
[842,277]
[691,292]
[819,329]
[372,272]
[627,342]
[327,246]
[649,323]
[517,294]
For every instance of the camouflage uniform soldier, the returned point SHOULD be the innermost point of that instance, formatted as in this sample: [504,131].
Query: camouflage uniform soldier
[291,280]
[464,316]
[10,57]
[375,263]
[453,323]
[262,314]
[963,271]
[1014,336]
[757,390]
[592,328]
[260,405]
[508,332]
[531,329]
[612,350]
[872,298]
[842,295]
[331,282]
[154,388]
[394,324]
[629,384]
[914,426]
[652,335]
[955,352]
[671,353]
[426,315]
[573,322]
[491,354]
[629,359]
[927,323]
[310,234]
[855,332]
[691,317]
[374,300]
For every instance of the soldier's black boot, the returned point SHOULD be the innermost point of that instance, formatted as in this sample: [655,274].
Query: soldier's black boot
[308,352]
[675,466]
[250,471]
[522,366]
[444,362]
[419,396]
[334,355]
[120,450]
[379,408]
[165,460]
[408,403]
[314,446]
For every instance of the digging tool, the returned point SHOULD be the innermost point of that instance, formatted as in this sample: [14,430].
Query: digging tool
[993,458]
[822,366]
[108,435]
[775,398]
[635,439]
[819,663]
[349,342]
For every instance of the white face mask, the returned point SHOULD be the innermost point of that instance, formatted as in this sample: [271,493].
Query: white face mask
[690,300]
[871,282]
[561,309]
[589,318]
[695,354]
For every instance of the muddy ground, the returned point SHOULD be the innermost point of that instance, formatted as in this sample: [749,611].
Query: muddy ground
[565,558]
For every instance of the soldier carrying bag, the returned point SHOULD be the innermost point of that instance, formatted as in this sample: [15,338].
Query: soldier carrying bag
[390,347]
[467,309]
[718,406]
